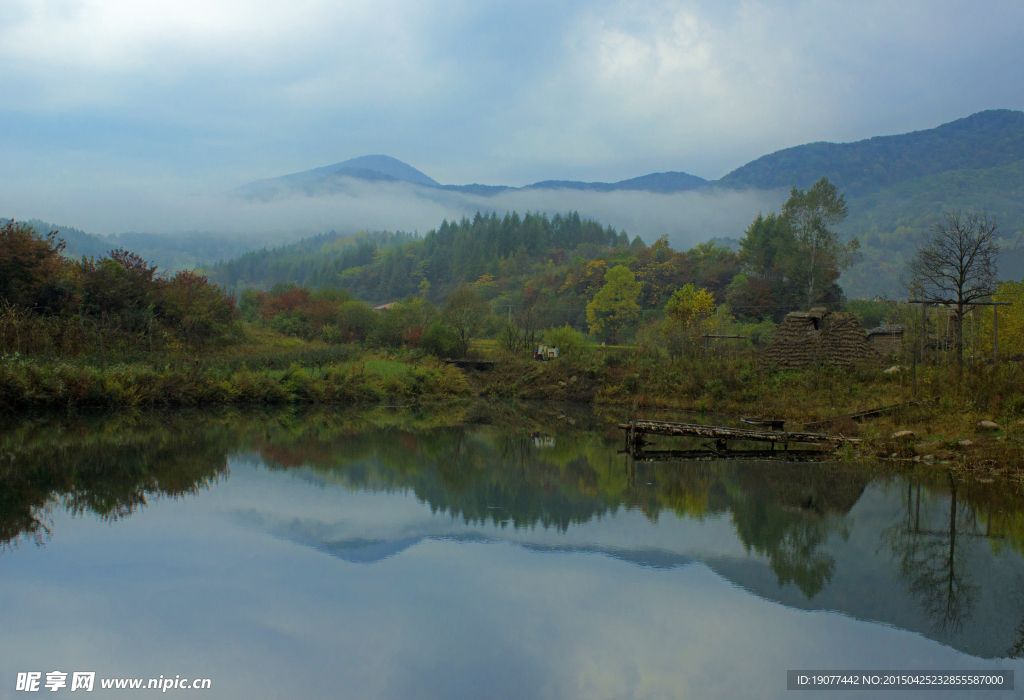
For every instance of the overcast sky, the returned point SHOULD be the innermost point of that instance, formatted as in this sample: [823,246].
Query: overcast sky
[214,93]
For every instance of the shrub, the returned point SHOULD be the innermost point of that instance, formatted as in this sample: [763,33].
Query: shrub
[440,339]
[567,339]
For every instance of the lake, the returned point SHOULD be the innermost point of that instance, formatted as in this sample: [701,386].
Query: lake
[482,551]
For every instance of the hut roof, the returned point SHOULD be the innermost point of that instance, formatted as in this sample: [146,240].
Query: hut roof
[806,338]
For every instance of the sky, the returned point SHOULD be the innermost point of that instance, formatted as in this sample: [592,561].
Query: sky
[108,101]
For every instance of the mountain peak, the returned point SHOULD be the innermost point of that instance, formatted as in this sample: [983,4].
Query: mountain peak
[324,180]
[386,165]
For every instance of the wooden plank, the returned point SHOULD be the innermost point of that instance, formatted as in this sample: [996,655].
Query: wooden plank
[651,456]
[871,412]
[716,432]
[773,423]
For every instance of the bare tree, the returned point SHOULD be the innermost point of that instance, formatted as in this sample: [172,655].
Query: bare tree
[956,264]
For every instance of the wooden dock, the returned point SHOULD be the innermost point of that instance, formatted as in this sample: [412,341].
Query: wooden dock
[652,456]
[636,429]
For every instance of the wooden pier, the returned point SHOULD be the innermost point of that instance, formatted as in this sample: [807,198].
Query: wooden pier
[652,456]
[636,429]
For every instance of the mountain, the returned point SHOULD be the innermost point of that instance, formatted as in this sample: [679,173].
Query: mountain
[984,140]
[338,177]
[330,178]
[385,165]
[896,188]
[655,182]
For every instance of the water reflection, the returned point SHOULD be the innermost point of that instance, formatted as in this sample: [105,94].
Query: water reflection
[105,467]
[928,559]
[923,552]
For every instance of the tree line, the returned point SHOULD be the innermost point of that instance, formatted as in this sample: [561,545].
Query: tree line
[508,277]
[50,304]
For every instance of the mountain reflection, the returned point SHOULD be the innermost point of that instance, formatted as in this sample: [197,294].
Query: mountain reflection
[931,559]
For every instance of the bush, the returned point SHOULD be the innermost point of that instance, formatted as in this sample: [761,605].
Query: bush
[616,357]
[440,339]
[567,339]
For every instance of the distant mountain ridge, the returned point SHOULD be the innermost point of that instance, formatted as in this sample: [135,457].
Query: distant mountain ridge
[331,178]
[989,139]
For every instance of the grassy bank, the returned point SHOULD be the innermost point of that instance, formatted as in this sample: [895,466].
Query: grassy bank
[945,429]
[273,369]
[311,376]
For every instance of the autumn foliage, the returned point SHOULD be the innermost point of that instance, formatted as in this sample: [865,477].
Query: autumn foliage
[52,305]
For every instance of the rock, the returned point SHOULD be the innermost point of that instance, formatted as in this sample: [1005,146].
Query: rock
[965,443]
[572,379]
[928,458]
[943,455]
[903,435]
[923,447]
[561,383]
[895,369]
[894,455]
[988,425]
[570,421]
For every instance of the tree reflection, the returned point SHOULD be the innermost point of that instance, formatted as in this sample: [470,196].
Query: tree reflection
[108,468]
[789,514]
[929,560]
[480,468]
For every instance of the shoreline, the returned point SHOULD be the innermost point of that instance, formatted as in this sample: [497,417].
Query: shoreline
[940,433]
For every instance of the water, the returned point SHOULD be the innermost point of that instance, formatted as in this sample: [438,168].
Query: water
[469,552]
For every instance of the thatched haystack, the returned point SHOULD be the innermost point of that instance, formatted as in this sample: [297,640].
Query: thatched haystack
[818,336]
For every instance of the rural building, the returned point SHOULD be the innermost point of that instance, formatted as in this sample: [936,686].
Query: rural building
[886,339]
[820,336]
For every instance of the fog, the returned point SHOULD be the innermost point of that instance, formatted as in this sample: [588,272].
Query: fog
[687,217]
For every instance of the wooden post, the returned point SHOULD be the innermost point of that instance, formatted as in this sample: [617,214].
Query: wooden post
[995,333]
[924,327]
[913,374]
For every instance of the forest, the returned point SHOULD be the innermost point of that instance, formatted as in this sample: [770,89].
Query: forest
[510,279]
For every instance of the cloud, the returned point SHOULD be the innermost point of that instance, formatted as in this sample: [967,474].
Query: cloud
[501,93]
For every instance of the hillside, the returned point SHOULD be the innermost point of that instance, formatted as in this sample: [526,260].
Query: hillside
[316,262]
[984,140]
[170,252]
[915,202]
[889,223]
[655,182]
